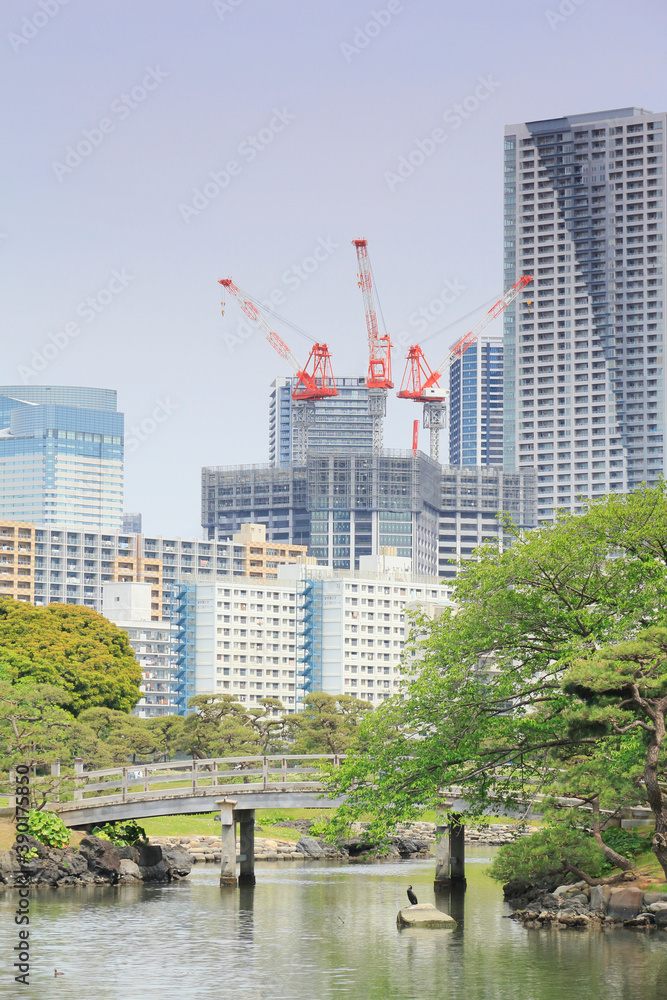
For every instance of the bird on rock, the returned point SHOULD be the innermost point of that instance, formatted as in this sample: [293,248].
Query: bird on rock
[411,896]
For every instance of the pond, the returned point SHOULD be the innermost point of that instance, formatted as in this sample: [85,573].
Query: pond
[314,931]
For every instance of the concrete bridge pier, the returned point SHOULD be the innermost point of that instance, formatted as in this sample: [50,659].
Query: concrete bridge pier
[246,818]
[228,844]
[450,858]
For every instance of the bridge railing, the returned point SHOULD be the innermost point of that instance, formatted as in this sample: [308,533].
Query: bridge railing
[215,776]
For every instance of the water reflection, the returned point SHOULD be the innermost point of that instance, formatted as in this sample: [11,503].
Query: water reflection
[318,931]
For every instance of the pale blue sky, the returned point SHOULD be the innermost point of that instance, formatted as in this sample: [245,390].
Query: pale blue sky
[334,106]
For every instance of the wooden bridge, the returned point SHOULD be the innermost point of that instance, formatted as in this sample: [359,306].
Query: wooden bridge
[235,787]
[232,786]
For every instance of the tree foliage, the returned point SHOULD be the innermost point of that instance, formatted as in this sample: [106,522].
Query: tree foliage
[327,723]
[72,647]
[528,676]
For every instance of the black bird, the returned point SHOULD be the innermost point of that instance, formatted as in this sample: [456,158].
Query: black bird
[411,896]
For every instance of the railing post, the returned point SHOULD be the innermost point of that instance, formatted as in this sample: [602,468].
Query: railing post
[124,785]
[215,774]
[284,770]
[194,775]
[78,778]
[146,778]
[12,789]
[55,773]
[265,772]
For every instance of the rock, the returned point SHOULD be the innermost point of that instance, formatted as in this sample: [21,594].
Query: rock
[580,897]
[102,857]
[198,857]
[600,896]
[656,907]
[9,866]
[625,903]
[655,897]
[406,845]
[271,845]
[129,870]
[144,855]
[154,873]
[660,919]
[311,847]
[424,915]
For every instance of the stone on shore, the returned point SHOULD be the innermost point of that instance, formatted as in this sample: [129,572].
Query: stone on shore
[310,847]
[625,904]
[424,915]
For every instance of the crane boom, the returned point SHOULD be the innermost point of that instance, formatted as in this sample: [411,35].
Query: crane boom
[464,343]
[420,382]
[379,347]
[314,384]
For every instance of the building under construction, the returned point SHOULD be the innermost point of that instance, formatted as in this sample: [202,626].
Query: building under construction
[344,507]
[332,486]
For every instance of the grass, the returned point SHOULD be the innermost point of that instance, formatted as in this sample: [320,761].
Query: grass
[204,824]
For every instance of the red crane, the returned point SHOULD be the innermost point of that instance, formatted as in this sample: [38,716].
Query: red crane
[421,383]
[314,380]
[378,379]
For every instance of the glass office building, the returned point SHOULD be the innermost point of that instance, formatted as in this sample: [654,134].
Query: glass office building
[61,456]
[476,405]
[583,349]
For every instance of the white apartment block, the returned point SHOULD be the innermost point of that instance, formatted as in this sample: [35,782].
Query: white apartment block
[128,605]
[583,346]
[246,638]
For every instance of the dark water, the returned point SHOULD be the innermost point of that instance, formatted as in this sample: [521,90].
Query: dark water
[310,931]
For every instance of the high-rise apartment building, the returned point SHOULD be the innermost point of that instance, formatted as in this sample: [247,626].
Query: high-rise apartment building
[476,404]
[583,346]
[341,423]
[61,456]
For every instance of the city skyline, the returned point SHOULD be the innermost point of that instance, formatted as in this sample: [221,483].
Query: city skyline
[332,143]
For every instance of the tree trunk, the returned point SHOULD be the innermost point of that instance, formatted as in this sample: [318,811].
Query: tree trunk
[653,790]
[611,855]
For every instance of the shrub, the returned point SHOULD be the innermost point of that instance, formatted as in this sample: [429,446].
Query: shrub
[123,833]
[625,842]
[545,852]
[48,828]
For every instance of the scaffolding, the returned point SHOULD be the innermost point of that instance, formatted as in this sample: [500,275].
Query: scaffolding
[309,673]
[181,602]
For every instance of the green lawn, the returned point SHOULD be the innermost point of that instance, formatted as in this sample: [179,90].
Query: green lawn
[203,824]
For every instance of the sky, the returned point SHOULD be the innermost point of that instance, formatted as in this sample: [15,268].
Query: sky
[151,147]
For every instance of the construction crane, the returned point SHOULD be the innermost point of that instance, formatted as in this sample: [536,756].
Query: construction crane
[314,380]
[378,379]
[420,382]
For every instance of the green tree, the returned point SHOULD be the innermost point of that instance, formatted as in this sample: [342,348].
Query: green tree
[327,724]
[485,704]
[72,647]
[220,726]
